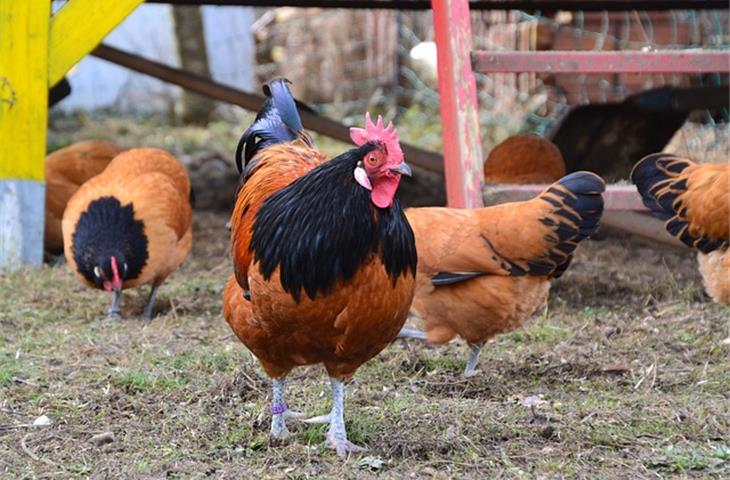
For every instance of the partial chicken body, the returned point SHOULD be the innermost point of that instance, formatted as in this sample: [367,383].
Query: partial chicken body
[524,159]
[130,225]
[66,170]
[324,258]
[694,200]
[485,271]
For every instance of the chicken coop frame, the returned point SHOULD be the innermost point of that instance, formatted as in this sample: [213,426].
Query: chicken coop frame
[37,49]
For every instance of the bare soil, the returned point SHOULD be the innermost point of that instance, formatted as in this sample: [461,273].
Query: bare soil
[623,375]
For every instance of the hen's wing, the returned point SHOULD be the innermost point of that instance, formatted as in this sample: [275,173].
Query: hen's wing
[693,199]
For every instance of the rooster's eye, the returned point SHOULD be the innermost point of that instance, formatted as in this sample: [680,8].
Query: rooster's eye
[371,159]
[97,272]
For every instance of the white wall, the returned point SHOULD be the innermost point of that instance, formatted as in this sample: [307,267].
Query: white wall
[148,32]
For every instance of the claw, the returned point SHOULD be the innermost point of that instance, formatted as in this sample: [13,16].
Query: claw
[342,446]
[320,419]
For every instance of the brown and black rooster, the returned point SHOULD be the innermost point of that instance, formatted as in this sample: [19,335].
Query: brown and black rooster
[324,258]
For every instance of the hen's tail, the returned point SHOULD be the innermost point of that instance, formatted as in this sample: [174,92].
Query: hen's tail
[277,122]
[692,198]
[577,206]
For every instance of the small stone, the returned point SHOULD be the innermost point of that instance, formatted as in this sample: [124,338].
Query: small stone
[42,421]
[102,438]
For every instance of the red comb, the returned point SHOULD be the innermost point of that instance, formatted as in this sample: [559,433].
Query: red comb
[377,133]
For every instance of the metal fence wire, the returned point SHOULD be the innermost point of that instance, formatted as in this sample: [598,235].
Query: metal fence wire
[386,61]
[346,62]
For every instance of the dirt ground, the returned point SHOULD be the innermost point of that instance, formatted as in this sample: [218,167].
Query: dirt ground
[623,375]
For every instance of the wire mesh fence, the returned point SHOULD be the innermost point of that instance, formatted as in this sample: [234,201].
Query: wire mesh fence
[346,62]
[386,60]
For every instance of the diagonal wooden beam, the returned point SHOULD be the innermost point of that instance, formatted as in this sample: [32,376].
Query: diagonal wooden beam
[426,159]
[79,27]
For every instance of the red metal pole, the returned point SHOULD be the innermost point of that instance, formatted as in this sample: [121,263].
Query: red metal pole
[458,100]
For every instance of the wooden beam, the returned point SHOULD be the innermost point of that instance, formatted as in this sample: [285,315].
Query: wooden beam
[527,5]
[616,197]
[417,156]
[458,100]
[642,224]
[80,26]
[683,61]
[623,209]
[23,118]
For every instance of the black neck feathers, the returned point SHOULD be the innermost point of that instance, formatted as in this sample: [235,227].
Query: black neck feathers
[320,229]
[106,229]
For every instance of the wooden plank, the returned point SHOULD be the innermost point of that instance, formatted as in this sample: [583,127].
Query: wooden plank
[80,26]
[458,100]
[683,61]
[642,224]
[23,118]
[526,5]
[616,197]
[417,156]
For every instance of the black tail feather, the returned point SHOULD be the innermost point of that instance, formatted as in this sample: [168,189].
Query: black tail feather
[578,209]
[654,172]
[655,177]
[278,121]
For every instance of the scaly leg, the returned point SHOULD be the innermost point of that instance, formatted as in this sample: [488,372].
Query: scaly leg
[337,435]
[471,363]
[280,411]
[406,332]
[115,311]
[150,303]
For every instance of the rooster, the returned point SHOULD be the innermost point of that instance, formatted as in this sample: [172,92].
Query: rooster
[524,159]
[694,199]
[324,258]
[485,271]
[130,225]
[66,170]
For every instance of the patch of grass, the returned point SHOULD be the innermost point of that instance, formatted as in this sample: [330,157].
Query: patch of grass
[184,397]
[544,333]
[674,460]
[139,381]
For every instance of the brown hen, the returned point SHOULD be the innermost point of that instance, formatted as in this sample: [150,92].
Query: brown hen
[485,271]
[524,159]
[66,170]
[131,225]
[694,200]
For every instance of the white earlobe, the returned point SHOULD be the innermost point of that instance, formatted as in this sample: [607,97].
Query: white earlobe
[362,178]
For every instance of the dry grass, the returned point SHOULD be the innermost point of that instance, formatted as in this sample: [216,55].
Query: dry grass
[627,360]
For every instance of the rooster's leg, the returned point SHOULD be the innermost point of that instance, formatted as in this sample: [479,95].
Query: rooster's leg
[150,303]
[337,435]
[471,363]
[280,412]
[412,333]
[114,311]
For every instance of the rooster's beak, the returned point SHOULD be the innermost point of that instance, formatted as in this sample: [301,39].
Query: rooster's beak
[403,168]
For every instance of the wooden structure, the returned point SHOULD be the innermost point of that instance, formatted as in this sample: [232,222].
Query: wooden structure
[36,50]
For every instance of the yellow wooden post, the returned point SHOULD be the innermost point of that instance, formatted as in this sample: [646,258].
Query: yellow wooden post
[23,115]
[79,27]
[36,50]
